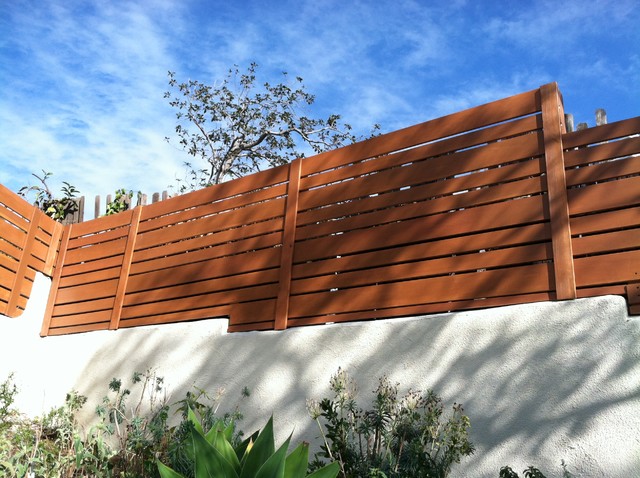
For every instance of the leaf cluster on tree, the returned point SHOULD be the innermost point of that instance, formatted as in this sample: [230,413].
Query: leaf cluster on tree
[239,126]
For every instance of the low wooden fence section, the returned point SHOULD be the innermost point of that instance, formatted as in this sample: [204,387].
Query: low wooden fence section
[490,206]
[214,252]
[28,244]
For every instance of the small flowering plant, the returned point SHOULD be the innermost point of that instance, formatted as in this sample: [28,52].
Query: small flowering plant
[399,436]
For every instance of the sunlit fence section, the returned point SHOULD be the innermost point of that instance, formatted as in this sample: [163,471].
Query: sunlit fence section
[447,215]
[29,241]
[491,206]
[90,271]
[603,180]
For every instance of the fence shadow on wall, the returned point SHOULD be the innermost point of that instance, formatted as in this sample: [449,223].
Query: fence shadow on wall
[521,401]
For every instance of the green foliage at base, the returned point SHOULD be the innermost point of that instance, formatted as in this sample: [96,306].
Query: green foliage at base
[408,436]
[532,472]
[216,457]
[398,436]
[50,446]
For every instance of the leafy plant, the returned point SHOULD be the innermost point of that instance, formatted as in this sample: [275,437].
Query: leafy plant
[532,472]
[142,430]
[8,391]
[407,436]
[52,445]
[241,126]
[215,456]
[140,436]
[121,202]
[58,208]
[199,403]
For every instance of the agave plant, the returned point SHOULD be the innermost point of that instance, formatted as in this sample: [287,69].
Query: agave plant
[256,457]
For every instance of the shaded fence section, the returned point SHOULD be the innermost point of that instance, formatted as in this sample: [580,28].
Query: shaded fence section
[491,206]
[214,252]
[29,242]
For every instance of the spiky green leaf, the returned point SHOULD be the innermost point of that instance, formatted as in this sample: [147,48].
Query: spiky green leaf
[166,472]
[329,471]
[259,453]
[274,467]
[209,462]
[297,462]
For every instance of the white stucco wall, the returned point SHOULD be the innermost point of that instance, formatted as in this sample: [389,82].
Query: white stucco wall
[540,382]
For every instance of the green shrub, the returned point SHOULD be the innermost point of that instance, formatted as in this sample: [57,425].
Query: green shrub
[532,472]
[121,201]
[51,445]
[8,391]
[215,456]
[407,436]
[142,429]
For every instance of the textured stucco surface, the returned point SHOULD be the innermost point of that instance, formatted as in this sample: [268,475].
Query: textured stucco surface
[541,383]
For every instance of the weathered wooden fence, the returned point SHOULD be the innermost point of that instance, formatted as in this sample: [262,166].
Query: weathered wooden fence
[491,206]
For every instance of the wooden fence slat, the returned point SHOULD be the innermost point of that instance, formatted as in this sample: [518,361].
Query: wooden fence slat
[54,247]
[150,260]
[288,242]
[633,297]
[14,202]
[510,215]
[552,115]
[204,227]
[423,309]
[509,238]
[495,283]
[430,170]
[429,268]
[434,150]
[57,273]
[608,195]
[158,221]
[609,131]
[602,152]
[25,260]
[471,119]
[126,268]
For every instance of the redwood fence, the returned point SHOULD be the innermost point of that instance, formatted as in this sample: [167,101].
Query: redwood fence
[490,206]
[28,244]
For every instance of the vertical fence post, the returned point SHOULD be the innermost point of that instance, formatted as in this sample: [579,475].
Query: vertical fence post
[116,312]
[25,259]
[288,240]
[55,283]
[52,252]
[552,115]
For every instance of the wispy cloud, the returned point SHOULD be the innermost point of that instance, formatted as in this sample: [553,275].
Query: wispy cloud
[83,82]
[98,114]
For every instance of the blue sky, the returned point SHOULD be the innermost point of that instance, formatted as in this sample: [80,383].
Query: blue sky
[82,82]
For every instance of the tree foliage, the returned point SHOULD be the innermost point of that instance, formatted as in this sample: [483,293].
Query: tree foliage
[238,126]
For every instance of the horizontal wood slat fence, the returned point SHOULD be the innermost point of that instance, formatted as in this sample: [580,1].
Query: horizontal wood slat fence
[29,242]
[490,206]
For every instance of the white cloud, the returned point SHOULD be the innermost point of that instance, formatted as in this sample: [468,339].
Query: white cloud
[83,82]
[98,117]
[556,27]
